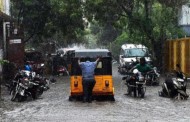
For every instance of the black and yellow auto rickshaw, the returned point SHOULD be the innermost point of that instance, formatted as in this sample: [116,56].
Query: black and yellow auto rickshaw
[103,74]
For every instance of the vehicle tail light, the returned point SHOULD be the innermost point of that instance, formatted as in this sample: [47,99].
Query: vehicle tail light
[106,83]
[76,83]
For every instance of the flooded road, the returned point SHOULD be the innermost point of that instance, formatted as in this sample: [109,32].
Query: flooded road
[53,106]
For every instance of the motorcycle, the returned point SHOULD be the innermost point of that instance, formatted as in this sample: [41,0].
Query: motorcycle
[42,81]
[174,87]
[39,77]
[152,77]
[62,70]
[135,82]
[25,86]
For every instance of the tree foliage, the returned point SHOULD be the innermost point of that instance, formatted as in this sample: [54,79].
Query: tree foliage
[49,19]
[3,61]
[31,15]
[149,22]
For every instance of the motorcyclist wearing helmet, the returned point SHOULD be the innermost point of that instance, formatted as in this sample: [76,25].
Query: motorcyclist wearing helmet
[142,67]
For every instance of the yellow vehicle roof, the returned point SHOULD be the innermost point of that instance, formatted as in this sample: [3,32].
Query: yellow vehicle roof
[92,53]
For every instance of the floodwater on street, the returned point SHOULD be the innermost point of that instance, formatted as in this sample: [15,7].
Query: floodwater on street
[54,106]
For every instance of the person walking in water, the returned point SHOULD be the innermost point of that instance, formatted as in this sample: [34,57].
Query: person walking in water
[88,80]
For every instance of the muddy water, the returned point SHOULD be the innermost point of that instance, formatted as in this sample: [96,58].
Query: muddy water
[54,106]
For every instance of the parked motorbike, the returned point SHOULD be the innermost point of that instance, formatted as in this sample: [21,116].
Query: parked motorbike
[42,81]
[135,82]
[25,86]
[174,87]
[152,78]
[62,70]
[39,77]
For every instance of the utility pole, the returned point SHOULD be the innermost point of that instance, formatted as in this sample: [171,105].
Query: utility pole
[4,51]
[6,33]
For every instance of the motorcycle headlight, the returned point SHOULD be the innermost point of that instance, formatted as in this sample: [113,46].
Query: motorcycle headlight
[180,80]
[135,71]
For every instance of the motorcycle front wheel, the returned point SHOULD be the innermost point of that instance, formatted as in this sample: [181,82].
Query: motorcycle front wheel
[141,92]
[13,94]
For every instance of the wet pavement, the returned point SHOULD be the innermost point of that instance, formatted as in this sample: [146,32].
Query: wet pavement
[54,106]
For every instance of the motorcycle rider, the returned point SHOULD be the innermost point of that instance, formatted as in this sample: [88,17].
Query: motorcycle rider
[142,67]
[169,89]
[178,71]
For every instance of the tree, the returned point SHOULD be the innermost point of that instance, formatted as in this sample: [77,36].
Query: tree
[31,15]
[150,22]
[2,62]
[57,20]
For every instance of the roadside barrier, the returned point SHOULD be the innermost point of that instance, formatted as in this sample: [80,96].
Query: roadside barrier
[177,51]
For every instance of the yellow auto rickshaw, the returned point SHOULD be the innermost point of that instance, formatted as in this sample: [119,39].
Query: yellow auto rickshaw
[103,74]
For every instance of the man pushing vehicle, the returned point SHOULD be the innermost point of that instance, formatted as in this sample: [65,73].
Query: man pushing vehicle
[88,80]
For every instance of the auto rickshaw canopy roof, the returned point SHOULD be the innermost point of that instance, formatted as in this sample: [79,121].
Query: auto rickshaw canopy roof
[92,53]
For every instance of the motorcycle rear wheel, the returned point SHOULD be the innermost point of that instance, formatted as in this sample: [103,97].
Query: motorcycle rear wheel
[39,91]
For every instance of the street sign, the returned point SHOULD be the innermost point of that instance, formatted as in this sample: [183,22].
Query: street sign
[15,41]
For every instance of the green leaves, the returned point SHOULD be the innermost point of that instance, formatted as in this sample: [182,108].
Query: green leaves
[3,61]
[143,21]
[149,22]
[42,19]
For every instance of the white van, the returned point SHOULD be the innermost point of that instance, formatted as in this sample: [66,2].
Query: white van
[131,52]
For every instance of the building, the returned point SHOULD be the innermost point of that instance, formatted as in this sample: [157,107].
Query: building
[4,17]
[184,18]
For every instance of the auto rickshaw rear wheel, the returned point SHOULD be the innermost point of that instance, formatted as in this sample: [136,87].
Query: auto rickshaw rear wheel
[111,98]
[77,98]
[70,98]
